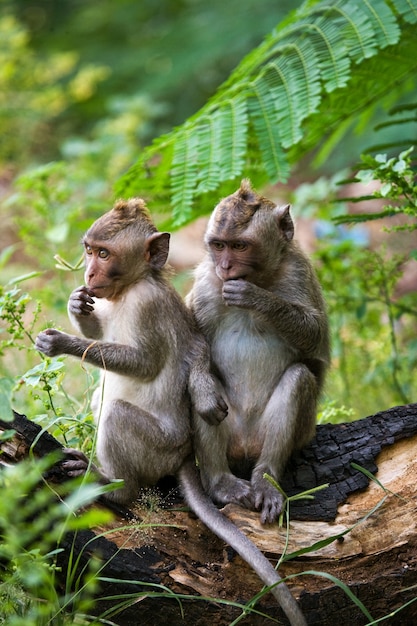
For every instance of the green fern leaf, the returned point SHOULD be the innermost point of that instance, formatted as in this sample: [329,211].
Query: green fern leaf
[184,174]
[359,34]
[262,107]
[407,9]
[279,91]
[324,27]
[373,80]
[209,143]
[326,66]
[383,19]
[293,81]
[234,121]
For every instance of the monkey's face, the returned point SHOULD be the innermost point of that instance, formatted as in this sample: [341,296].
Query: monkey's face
[109,270]
[113,265]
[248,241]
[102,272]
[234,259]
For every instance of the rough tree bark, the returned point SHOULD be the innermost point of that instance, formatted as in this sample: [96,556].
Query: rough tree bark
[376,557]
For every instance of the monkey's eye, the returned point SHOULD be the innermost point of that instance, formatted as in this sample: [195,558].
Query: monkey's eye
[103,253]
[217,245]
[88,249]
[239,246]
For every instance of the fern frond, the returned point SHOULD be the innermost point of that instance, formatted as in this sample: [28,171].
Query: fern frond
[326,65]
[407,9]
[325,28]
[363,217]
[209,139]
[216,134]
[293,81]
[386,27]
[234,138]
[184,174]
[378,78]
[262,108]
[360,32]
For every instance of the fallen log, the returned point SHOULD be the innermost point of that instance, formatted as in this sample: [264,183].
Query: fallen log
[369,525]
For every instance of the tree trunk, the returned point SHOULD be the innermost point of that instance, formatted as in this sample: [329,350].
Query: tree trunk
[372,523]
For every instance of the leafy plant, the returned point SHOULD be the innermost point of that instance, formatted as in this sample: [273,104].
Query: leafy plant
[371,327]
[311,77]
[397,188]
[69,419]
[32,524]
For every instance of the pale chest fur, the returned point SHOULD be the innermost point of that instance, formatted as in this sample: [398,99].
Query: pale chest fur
[122,323]
[250,356]
[120,320]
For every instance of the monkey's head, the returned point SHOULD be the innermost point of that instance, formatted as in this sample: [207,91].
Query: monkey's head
[247,236]
[121,248]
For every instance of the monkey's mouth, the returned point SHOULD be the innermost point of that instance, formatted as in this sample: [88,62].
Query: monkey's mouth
[98,290]
[240,277]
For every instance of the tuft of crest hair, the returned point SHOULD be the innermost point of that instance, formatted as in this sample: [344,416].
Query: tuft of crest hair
[125,214]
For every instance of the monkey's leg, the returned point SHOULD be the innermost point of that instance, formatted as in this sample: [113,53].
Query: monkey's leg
[140,447]
[211,449]
[287,423]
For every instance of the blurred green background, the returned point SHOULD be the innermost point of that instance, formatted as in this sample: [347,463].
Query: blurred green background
[85,86]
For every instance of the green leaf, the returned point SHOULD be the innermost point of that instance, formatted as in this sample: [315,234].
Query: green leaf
[385,189]
[6,388]
[267,132]
[326,67]
[387,31]
[184,174]
[407,9]
[33,376]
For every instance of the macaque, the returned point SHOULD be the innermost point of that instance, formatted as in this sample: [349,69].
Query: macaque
[258,303]
[155,373]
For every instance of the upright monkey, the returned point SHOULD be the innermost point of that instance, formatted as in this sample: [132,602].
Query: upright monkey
[155,372]
[258,303]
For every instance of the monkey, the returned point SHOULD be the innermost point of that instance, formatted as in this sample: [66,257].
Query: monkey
[155,373]
[258,302]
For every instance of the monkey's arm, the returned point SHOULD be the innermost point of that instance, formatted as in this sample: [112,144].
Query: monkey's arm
[140,362]
[81,313]
[205,398]
[301,325]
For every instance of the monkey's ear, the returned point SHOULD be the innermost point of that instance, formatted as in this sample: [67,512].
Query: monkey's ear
[157,249]
[284,221]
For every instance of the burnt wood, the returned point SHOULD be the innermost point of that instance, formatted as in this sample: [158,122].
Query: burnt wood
[378,560]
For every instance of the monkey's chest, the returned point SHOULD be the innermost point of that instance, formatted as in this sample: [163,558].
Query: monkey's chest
[250,358]
[119,320]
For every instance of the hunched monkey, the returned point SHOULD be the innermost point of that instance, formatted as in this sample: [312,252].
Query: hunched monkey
[259,304]
[155,372]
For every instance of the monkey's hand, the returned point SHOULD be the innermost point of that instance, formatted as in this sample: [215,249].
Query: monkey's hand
[52,342]
[80,302]
[76,464]
[213,410]
[240,292]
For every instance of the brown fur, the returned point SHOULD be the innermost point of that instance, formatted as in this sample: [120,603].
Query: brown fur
[258,303]
[155,373]
[132,214]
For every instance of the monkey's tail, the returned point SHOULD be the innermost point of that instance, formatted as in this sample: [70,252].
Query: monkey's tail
[226,530]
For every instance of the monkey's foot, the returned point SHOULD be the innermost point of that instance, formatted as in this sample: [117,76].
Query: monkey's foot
[268,500]
[230,489]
